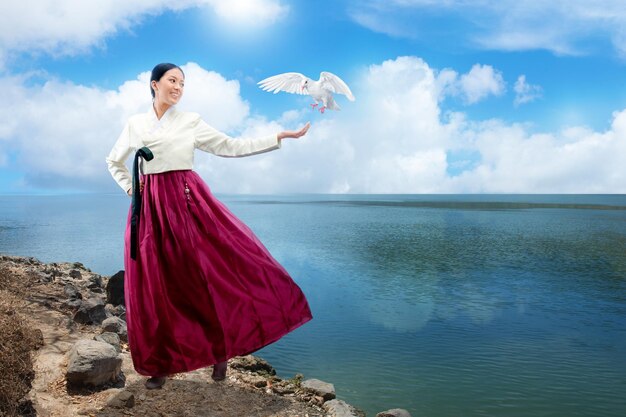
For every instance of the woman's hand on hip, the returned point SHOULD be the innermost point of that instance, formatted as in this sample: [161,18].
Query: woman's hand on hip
[130,190]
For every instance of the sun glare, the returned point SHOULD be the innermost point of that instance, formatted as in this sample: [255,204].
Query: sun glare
[255,12]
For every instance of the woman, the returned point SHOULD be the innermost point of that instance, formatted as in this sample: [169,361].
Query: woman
[200,287]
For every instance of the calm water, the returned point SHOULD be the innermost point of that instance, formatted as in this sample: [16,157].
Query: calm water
[443,305]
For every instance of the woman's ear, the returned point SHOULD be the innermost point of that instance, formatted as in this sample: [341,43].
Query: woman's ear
[153,84]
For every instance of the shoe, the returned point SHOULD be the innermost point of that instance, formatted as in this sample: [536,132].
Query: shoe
[219,371]
[155,382]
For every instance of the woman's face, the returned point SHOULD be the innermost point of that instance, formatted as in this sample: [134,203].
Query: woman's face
[169,89]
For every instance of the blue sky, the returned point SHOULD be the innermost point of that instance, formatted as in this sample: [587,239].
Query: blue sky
[453,96]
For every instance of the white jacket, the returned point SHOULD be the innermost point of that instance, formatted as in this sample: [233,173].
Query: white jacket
[172,140]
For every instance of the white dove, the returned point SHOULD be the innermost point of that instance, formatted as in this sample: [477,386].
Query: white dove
[321,90]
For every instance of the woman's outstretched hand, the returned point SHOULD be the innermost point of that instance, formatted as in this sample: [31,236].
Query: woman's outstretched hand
[294,133]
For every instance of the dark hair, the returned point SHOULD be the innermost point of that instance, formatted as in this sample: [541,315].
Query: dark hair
[159,70]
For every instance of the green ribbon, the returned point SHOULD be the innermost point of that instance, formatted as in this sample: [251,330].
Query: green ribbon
[146,154]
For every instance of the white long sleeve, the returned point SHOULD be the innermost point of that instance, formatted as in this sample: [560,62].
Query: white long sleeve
[172,140]
[117,157]
[212,140]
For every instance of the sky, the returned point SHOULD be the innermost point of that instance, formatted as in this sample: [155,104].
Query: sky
[452,96]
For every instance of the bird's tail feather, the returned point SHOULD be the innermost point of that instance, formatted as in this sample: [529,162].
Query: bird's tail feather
[332,104]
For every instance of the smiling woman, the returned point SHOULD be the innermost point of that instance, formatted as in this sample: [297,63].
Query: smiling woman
[168,81]
[200,287]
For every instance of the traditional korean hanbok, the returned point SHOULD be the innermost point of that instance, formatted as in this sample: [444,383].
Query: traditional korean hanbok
[202,287]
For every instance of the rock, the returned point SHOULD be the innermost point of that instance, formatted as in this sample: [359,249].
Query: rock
[95,284]
[284,388]
[253,364]
[114,310]
[72,292]
[79,265]
[116,325]
[73,303]
[118,311]
[21,259]
[91,311]
[92,362]
[52,273]
[395,412]
[112,339]
[321,388]
[96,280]
[43,277]
[115,289]
[75,273]
[121,399]
[339,408]
[255,380]
[318,400]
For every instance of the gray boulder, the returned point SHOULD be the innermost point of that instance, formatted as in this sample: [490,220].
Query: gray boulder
[95,284]
[118,311]
[111,338]
[339,408]
[91,311]
[121,399]
[115,289]
[75,273]
[42,276]
[321,388]
[93,363]
[72,292]
[116,325]
[395,412]
[73,303]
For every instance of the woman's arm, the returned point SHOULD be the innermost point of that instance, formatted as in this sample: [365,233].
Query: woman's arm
[212,140]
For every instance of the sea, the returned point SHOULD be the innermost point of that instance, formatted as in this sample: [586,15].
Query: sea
[444,305]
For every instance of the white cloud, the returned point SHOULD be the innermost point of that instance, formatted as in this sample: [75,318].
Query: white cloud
[68,27]
[524,92]
[392,139]
[573,161]
[217,99]
[560,26]
[479,83]
[380,24]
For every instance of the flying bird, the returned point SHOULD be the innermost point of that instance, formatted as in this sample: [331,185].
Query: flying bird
[321,90]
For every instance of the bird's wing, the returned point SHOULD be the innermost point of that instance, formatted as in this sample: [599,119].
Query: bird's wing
[288,82]
[335,84]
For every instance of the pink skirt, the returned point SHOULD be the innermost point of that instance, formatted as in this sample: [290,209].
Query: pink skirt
[203,288]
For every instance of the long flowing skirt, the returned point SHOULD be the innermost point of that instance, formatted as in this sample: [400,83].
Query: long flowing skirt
[203,288]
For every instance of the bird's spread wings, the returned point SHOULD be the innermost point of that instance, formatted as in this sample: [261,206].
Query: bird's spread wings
[288,82]
[335,84]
